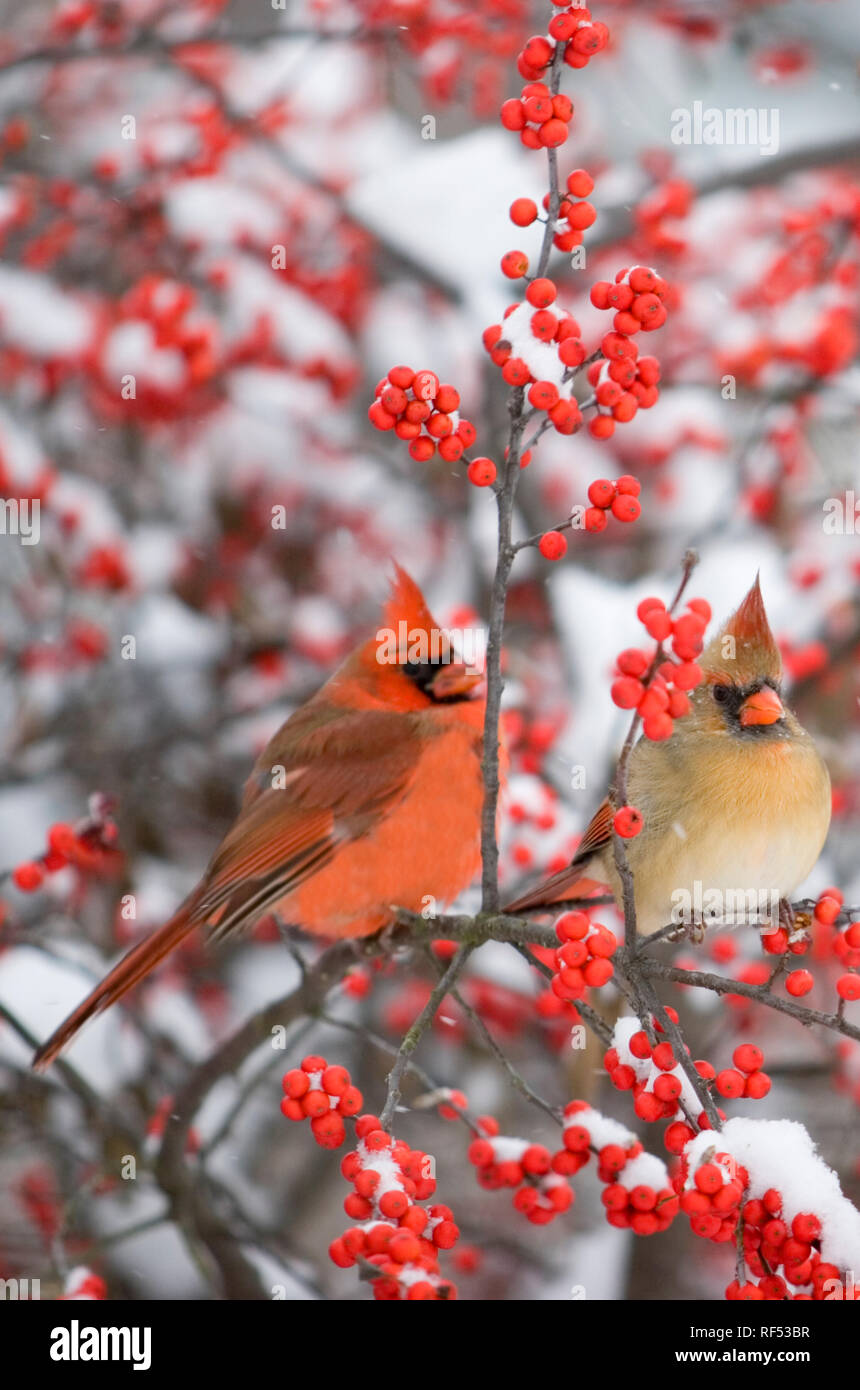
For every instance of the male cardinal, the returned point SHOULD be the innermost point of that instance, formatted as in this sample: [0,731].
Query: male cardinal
[367,799]
[737,800]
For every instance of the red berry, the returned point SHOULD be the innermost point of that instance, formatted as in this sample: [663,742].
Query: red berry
[538,108]
[677,1135]
[580,183]
[315,1104]
[757,1085]
[601,492]
[425,386]
[552,545]
[401,376]
[552,134]
[335,1080]
[597,972]
[381,418]
[626,508]
[28,876]
[543,395]
[748,1057]
[847,986]
[730,1083]
[572,926]
[515,264]
[708,1178]
[447,399]
[595,517]
[658,624]
[329,1130]
[806,1227]
[482,472]
[663,1056]
[541,292]
[538,52]
[639,1045]
[658,727]
[798,983]
[422,449]
[296,1084]
[512,114]
[628,821]
[62,839]
[626,693]
[581,216]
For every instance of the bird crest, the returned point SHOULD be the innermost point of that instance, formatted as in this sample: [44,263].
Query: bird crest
[744,650]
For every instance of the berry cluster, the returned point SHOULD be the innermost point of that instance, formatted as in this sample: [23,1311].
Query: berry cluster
[764,1180]
[618,497]
[844,945]
[322,1094]
[581,36]
[582,961]
[745,1080]
[541,1191]
[653,1073]
[623,381]
[423,411]
[711,1194]
[644,1200]
[574,214]
[661,697]
[399,1237]
[541,118]
[89,845]
[769,1238]
[539,349]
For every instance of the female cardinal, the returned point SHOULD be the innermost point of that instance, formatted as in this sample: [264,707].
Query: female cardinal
[736,802]
[367,799]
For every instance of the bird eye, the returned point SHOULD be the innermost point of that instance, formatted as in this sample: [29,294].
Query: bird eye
[721,694]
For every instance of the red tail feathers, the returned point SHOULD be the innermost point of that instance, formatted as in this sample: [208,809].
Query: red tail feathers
[568,883]
[131,969]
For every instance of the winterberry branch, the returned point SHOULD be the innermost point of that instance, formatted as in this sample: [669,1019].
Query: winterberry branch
[759,994]
[416,1032]
[618,792]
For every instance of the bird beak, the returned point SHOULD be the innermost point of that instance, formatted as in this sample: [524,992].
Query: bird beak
[454,680]
[764,707]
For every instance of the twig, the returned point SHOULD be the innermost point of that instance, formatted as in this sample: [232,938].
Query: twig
[416,1032]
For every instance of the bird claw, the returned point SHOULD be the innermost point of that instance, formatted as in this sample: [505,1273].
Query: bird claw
[692,931]
[786,915]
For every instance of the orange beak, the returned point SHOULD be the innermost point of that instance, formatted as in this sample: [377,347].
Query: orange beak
[764,707]
[455,679]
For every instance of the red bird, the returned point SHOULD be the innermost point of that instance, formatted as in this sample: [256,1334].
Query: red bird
[368,798]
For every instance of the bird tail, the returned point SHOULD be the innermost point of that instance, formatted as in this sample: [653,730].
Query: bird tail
[137,963]
[567,883]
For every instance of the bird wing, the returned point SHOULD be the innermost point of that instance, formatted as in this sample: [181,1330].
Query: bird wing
[572,882]
[325,778]
[598,835]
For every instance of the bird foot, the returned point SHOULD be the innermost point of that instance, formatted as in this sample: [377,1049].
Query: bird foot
[693,931]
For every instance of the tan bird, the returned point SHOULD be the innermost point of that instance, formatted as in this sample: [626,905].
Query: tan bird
[736,804]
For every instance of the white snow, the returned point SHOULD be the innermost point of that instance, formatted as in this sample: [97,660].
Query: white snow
[781,1154]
